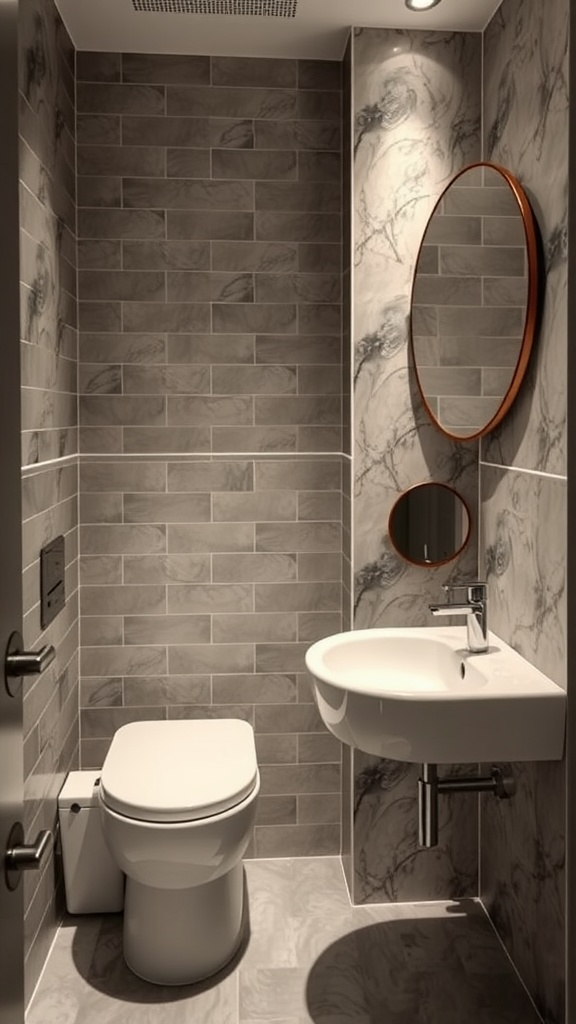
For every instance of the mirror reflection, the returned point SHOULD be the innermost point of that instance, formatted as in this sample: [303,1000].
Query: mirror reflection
[429,524]
[474,301]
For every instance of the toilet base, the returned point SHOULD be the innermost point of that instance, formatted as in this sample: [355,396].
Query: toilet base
[181,936]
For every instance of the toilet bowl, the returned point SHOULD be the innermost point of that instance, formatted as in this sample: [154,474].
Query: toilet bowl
[178,802]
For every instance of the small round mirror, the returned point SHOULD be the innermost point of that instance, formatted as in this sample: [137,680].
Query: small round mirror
[474,301]
[429,524]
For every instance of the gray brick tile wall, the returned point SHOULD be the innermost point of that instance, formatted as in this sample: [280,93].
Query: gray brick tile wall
[210,382]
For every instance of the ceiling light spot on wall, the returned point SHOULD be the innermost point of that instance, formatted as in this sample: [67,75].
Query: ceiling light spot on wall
[421,5]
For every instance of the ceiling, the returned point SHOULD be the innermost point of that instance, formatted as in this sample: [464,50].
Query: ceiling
[319,30]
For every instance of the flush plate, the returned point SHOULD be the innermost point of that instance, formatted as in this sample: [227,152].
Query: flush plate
[52,589]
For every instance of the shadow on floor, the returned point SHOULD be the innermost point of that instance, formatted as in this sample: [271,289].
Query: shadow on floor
[108,972]
[425,970]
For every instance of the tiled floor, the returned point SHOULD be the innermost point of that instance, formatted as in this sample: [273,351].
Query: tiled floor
[311,958]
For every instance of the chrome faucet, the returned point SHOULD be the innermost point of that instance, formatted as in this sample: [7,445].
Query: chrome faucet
[475,609]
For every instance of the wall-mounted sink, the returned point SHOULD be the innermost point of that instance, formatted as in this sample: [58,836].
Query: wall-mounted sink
[419,695]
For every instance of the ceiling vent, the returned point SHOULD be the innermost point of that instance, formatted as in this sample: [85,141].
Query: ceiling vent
[264,8]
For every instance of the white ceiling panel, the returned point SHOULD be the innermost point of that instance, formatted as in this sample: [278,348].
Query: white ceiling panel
[319,29]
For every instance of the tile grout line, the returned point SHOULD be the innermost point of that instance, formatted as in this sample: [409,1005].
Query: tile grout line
[44,970]
[510,960]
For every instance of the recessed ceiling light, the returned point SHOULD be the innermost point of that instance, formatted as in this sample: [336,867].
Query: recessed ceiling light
[421,5]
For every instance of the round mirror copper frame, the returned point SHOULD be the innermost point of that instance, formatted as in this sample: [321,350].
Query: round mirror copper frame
[432,521]
[530,319]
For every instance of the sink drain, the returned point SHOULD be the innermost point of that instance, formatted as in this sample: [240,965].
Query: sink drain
[462,670]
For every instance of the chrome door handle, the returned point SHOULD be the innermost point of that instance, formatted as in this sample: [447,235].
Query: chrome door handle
[29,857]
[18,663]
[22,857]
[30,663]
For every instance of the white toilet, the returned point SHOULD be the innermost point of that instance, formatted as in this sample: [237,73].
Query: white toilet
[178,803]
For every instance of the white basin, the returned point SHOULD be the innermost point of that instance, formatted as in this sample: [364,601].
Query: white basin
[419,695]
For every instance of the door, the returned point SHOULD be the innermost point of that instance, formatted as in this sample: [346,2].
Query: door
[11,739]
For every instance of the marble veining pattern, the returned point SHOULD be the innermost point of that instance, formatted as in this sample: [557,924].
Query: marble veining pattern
[48,245]
[389,864]
[49,431]
[417,122]
[524,516]
[526,129]
[310,958]
[523,867]
[523,843]
[410,88]
[524,540]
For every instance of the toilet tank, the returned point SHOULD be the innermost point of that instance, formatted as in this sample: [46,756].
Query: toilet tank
[93,882]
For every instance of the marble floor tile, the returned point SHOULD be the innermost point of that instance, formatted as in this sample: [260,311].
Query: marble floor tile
[310,958]
[59,995]
[266,992]
[295,912]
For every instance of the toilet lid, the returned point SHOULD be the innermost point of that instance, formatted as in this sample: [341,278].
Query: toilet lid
[179,771]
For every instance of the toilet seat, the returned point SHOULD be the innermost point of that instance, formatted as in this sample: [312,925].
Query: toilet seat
[179,770]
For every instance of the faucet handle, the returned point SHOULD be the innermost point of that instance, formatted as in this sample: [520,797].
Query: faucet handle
[477,590]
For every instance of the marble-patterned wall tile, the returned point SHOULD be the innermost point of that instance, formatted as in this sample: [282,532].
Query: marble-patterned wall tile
[396,446]
[47,215]
[524,533]
[522,872]
[51,703]
[416,123]
[346,804]
[389,866]
[49,431]
[524,514]
[410,88]
[346,272]
[523,842]
[526,130]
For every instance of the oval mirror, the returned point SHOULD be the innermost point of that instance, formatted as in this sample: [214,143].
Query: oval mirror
[474,301]
[429,524]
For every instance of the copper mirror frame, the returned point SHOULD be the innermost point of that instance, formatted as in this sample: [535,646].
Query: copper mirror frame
[532,278]
[440,528]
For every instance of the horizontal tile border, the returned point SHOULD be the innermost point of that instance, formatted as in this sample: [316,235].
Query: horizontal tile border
[256,456]
[40,467]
